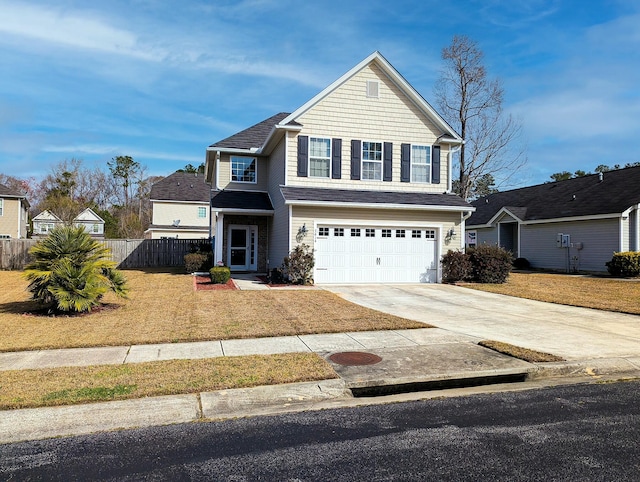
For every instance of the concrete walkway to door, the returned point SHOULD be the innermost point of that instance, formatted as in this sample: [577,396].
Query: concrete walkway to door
[570,332]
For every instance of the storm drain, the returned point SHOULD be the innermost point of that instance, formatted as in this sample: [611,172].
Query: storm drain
[355,358]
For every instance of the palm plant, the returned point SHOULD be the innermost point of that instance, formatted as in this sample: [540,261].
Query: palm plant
[71,271]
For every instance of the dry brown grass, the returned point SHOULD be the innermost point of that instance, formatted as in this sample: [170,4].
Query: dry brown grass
[163,308]
[589,292]
[525,354]
[65,386]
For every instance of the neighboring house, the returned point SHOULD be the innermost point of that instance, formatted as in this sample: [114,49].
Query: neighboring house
[361,173]
[14,214]
[91,222]
[180,207]
[45,222]
[572,225]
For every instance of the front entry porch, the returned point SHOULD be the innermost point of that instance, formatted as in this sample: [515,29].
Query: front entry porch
[241,242]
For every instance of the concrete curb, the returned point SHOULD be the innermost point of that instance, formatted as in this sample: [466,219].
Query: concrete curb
[629,367]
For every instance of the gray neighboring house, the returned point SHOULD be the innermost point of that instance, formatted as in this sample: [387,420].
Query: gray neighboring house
[572,225]
[180,207]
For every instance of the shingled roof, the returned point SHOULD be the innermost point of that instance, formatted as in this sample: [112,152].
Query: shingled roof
[579,197]
[8,192]
[252,137]
[353,196]
[182,186]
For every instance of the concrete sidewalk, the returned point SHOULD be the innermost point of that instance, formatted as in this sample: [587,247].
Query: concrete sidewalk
[419,358]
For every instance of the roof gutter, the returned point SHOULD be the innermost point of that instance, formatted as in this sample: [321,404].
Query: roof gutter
[421,207]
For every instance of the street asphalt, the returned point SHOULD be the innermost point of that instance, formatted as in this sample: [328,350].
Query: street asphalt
[597,345]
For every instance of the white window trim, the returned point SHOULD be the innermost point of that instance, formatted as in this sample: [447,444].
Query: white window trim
[362,160]
[411,163]
[255,159]
[328,176]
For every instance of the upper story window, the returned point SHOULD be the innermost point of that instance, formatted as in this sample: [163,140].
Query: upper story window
[243,169]
[372,161]
[319,157]
[202,212]
[420,164]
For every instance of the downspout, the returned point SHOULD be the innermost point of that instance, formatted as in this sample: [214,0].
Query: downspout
[19,218]
[217,171]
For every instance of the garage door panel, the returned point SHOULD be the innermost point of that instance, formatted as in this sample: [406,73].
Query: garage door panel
[360,254]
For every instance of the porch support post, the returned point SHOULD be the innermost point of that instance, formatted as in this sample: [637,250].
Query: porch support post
[219,236]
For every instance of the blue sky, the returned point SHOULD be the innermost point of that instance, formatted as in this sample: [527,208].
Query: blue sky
[162,80]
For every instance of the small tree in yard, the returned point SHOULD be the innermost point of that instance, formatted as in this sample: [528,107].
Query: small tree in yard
[298,266]
[71,272]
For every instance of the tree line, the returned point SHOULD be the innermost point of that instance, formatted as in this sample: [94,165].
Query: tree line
[119,194]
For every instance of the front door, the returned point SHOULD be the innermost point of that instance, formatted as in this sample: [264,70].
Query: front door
[242,248]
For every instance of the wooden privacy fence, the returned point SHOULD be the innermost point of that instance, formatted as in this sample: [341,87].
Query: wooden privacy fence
[128,253]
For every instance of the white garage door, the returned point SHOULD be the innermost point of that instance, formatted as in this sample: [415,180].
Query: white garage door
[357,254]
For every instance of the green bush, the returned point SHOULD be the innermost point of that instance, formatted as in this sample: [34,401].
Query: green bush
[625,264]
[197,261]
[521,263]
[71,271]
[298,266]
[491,263]
[220,274]
[456,266]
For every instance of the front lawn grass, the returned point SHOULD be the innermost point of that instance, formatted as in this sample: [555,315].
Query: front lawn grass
[163,307]
[74,385]
[590,292]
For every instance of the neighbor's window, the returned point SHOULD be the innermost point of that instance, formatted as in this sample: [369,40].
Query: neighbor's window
[202,212]
[243,169]
[420,164]
[319,157]
[372,161]
[96,228]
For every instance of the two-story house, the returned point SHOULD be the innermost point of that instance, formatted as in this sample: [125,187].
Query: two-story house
[45,221]
[180,207]
[14,212]
[361,173]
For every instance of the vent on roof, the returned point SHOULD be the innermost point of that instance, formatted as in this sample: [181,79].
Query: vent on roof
[373,88]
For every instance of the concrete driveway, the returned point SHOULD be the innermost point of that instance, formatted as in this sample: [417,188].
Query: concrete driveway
[573,333]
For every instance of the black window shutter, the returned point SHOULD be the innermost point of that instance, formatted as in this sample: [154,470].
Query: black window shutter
[387,165]
[336,158]
[405,162]
[356,155]
[303,156]
[435,165]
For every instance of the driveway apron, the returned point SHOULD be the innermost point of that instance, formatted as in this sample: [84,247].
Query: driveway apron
[571,332]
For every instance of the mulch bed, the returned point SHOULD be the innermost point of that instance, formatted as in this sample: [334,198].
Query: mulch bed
[203,283]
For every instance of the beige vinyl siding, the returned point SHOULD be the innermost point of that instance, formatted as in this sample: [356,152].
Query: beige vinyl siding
[313,215]
[165,212]
[279,228]
[599,238]
[347,113]
[13,220]
[224,174]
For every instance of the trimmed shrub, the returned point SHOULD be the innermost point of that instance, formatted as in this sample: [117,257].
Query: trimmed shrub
[220,274]
[521,263]
[277,277]
[197,262]
[625,264]
[298,266]
[456,266]
[491,264]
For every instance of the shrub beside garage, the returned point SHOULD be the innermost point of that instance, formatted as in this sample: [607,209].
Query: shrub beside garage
[484,264]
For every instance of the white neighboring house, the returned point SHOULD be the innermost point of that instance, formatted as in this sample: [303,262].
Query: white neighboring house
[45,222]
[14,211]
[91,222]
[180,207]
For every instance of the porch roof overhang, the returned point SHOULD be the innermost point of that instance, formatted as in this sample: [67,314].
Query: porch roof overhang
[242,202]
[373,199]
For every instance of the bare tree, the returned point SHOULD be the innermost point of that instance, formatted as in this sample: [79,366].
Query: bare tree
[472,104]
